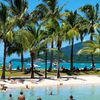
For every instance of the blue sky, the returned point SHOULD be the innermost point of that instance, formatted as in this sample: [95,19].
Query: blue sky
[70,5]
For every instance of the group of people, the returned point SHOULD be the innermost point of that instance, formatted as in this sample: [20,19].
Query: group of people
[22,97]
[70,98]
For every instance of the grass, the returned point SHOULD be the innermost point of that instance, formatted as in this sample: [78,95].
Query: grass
[90,73]
[14,73]
[53,73]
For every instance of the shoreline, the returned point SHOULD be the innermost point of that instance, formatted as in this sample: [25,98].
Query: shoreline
[63,81]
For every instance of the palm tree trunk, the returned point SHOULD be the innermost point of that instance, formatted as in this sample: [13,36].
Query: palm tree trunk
[71,56]
[32,65]
[38,54]
[4,62]
[22,60]
[46,63]
[58,66]
[92,57]
[51,59]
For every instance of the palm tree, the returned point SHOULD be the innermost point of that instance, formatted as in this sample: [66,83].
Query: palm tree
[37,41]
[19,8]
[45,49]
[49,11]
[92,16]
[71,29]
[20,40]
[59,37]
[7,23]
[91,47]
[46,54]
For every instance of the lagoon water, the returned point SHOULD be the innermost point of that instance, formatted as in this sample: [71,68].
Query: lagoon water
[59,93]
[41,65]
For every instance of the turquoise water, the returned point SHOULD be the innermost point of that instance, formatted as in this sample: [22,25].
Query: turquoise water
[41,65]
[59,93]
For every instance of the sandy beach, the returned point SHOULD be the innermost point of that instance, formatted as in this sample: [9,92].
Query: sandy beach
[68,80]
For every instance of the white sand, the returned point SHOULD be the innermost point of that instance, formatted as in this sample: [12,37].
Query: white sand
[68,80]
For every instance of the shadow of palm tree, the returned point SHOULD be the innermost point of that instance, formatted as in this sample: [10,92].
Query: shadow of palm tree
[72,77]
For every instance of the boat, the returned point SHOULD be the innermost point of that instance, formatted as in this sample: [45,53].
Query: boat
[36,66]
[55,64]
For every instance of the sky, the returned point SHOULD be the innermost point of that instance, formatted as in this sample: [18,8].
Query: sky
[70,5]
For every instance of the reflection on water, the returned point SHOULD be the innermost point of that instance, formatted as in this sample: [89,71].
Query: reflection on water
[59,93]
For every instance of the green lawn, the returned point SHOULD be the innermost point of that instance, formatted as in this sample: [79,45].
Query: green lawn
[53,73]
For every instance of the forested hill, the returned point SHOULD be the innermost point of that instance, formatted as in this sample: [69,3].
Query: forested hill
[66,51]
[65,55]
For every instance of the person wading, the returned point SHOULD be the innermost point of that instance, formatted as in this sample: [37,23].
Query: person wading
[21,96]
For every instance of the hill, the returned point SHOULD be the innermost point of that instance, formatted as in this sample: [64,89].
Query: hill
[65,55]
[66,50]
[82,58]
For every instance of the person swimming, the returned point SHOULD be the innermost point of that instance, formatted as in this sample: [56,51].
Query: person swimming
[51,93]
[71,98]
[10,97]
[38,98]
[21,96]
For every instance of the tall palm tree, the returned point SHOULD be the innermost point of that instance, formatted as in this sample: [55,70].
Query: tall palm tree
[92,16]
[71,28]
[59,37]
[19,8]
[20,40]
[37,41]
[46,54]
[46,11]
[45,49]
[7,23]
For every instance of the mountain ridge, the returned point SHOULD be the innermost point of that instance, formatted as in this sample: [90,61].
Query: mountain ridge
[77,58]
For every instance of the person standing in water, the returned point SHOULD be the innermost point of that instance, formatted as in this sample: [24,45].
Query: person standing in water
[10,97]
[39,98]
[21,96]
[71,98]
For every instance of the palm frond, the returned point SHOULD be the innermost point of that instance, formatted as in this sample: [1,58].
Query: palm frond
[9,36]
[88,10]
[85,51]
[17,7]
[91,47]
